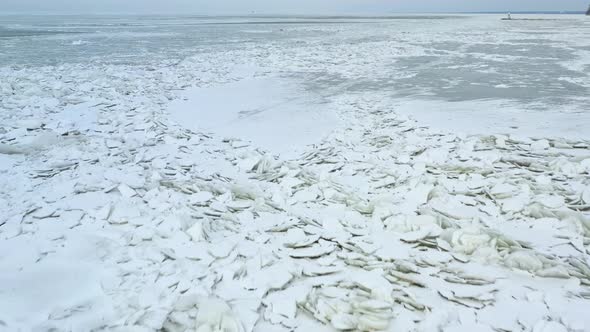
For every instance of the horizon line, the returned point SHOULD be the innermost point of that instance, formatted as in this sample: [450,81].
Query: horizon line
[255,14]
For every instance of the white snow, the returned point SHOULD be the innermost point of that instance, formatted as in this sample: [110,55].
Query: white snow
[271,112]
[319,182]
[508,118]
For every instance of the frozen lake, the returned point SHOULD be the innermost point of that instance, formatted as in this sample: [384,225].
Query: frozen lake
[409,173]
[439,69]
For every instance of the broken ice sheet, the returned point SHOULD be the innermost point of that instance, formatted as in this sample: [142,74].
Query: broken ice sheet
[274,277]
[296,238]
[320,249]
[346,229]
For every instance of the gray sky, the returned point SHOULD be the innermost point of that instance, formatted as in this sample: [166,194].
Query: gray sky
[285,6]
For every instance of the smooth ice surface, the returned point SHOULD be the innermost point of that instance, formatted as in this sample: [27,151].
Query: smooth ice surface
[507,117]
[272,112]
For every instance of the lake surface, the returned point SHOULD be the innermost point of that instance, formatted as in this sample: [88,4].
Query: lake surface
[540,65]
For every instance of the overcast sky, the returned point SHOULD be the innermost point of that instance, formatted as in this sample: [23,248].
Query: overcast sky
[285,6]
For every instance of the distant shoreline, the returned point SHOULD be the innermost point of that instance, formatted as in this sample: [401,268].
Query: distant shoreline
[334,16]
[530,12]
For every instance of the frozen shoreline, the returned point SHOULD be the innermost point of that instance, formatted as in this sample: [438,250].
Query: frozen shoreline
[126,206]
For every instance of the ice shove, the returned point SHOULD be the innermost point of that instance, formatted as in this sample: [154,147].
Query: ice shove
[117,217]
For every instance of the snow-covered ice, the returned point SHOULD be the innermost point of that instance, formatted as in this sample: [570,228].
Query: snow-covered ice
[417,173]
[270,112]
